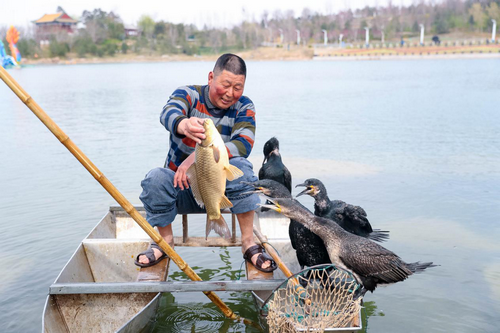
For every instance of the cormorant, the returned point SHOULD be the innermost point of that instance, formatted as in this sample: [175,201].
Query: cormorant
[351,218]
[309,248]
[272,166]
[370,263]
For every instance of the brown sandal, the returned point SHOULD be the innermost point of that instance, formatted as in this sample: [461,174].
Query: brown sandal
[252,250]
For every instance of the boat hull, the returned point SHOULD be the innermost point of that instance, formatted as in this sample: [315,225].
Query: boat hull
[105,255]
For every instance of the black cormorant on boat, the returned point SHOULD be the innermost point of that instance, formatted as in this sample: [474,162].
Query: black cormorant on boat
[351,218]
[309,247]
[370,263]
[272,166]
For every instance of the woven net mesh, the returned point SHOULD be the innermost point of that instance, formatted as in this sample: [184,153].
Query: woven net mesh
[314,300]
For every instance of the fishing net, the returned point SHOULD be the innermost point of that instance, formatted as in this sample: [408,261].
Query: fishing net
[314,299]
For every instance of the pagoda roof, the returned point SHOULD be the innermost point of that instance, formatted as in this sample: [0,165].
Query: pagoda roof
[59,18]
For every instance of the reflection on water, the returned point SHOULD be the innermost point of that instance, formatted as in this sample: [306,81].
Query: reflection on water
[183,312]
[416,144]
[492,275]
[189,318]
[369,310]
[176,315]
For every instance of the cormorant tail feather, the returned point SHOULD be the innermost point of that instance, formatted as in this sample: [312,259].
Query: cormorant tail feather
[417,267]
[379,235]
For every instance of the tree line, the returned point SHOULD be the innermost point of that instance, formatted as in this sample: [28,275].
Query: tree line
[104,33]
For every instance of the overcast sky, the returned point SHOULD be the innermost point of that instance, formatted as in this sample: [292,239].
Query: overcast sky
[214,13]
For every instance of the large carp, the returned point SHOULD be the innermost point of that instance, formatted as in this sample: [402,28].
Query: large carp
[207,178]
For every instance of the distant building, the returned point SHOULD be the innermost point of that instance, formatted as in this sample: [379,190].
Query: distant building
[53,24]
[131,31]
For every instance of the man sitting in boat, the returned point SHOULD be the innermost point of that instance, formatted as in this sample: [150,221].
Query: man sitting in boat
[166,191]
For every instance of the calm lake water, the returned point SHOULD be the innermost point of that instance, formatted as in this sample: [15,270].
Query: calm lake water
[415,143]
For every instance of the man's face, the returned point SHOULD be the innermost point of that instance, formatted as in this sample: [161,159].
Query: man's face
[225,89]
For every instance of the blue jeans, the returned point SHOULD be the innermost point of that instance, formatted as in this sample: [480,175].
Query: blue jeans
[163,201]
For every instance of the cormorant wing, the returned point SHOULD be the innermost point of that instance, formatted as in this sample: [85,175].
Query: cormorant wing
[359,210]
[338,206]
[358,216]
[369,259]
[352,218]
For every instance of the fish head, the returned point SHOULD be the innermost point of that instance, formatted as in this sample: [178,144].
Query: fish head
[211,132]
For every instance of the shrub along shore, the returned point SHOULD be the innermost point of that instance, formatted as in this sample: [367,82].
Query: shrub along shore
[294,54]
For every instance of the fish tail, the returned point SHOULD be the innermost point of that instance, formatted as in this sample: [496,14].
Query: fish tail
[219,226]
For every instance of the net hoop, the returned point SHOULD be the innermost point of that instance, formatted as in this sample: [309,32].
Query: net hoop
[328,297]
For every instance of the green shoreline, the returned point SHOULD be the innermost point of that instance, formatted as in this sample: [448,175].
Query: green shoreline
[294,54]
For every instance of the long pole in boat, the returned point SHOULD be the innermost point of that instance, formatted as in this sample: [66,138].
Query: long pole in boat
[281,265]
[113,191]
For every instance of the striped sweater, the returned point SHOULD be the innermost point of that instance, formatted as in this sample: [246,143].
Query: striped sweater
[236,124]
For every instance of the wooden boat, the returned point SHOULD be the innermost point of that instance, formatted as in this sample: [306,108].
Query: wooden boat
[100,288]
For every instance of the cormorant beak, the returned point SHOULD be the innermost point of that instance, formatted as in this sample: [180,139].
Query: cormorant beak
[275,151]
[308,190]
[257,190]
[251,192]
[276,207]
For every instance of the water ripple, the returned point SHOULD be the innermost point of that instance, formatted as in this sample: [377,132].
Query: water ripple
[194,318]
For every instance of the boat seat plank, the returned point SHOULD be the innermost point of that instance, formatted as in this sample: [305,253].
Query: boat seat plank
[211,242]
[178,241]
[170,286]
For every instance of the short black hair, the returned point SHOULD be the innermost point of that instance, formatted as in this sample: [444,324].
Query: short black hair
[231,63]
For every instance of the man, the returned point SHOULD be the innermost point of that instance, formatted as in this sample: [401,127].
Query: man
[166,190]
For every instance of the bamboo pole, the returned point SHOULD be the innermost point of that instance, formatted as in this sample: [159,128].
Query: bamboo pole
[281,265]
[113,191]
